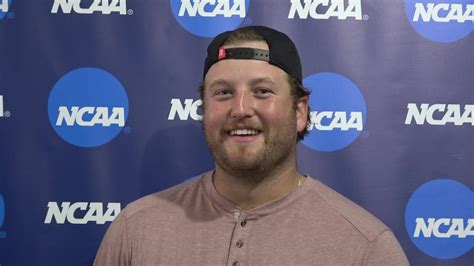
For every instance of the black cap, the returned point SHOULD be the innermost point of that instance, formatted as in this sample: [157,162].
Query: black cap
[282,51]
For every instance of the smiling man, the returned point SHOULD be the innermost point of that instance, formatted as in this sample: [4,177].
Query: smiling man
[254,208]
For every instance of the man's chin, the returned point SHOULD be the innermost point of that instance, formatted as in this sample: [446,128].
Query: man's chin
[241,161]
[244,156]
[249,172]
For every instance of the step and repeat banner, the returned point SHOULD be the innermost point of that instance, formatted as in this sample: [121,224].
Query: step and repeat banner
[99,106]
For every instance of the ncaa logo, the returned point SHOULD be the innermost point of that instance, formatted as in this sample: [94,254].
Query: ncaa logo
[338,112]
[439,218]
[325,9]
[4,7]
[207,18]
[88,107]
[2,216]
[103,6]
[441,21]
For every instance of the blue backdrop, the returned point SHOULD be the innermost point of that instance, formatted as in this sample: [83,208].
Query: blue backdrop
[99,106]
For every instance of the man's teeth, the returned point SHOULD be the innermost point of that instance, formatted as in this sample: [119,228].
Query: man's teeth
[243,132]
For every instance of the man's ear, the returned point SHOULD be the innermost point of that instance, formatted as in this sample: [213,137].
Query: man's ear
[302,113]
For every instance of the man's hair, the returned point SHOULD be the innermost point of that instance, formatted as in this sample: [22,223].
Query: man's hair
[297,90]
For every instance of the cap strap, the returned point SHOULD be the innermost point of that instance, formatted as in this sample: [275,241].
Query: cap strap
[243,53]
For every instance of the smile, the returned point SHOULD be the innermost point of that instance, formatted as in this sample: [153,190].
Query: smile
[244,132]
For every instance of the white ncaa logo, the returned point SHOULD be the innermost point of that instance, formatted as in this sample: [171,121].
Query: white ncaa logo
[3,113]
[433,227]
[440,114]
[189,109]
[221,7]
[74,213]
[1,106]
[104,6]
[325,9]
[100,116]
[4,6]
[443,12]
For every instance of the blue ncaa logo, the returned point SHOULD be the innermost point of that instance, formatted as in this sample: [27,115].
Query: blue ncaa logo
[441,20]
[439,218]
[338,112]
[4,7]
[2,216]
[207,18]
[88,107]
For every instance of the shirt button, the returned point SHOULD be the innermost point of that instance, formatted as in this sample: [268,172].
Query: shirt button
[236,263]
[239,243]
[243,223]
[237,215]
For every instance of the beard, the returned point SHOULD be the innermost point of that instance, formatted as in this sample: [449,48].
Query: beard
[253,164]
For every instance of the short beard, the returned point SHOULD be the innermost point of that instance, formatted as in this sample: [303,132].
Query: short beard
[276,151]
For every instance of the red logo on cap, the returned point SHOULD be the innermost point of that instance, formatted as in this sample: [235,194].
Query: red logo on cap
[221,53]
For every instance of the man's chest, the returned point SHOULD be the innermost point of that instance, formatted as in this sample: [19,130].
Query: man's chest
[241,241]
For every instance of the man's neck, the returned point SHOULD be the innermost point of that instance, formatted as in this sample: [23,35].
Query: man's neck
[248,195]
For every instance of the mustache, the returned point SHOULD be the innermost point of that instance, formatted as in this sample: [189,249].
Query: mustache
[242,124]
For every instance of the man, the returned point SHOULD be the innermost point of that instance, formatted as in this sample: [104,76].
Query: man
[254,208]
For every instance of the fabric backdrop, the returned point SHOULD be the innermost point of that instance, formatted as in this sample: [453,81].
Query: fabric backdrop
[99,106]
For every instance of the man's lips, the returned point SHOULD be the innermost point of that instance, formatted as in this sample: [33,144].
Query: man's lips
[244,135]
[244,132]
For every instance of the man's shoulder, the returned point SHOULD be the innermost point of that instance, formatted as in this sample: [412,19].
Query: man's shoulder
[361,220]
[162,201]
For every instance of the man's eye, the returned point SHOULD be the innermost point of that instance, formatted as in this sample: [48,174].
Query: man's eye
[262,91]
[223,92]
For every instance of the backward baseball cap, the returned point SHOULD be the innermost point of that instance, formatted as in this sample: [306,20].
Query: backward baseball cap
[282,51]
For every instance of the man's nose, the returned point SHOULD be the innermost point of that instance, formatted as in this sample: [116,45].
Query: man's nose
[242,105]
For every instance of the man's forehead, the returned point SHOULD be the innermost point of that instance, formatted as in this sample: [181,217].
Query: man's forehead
[248,71]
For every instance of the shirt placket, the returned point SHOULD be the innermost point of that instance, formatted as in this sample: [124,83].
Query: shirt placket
[239,246]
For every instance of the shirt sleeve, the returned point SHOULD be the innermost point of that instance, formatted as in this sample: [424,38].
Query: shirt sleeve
[385,250]
[115,247]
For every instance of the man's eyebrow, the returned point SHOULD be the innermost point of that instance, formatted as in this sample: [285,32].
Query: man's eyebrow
[219,82]
[251,82]
[262,80]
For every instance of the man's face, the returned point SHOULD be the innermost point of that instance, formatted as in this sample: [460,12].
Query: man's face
[249,120]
